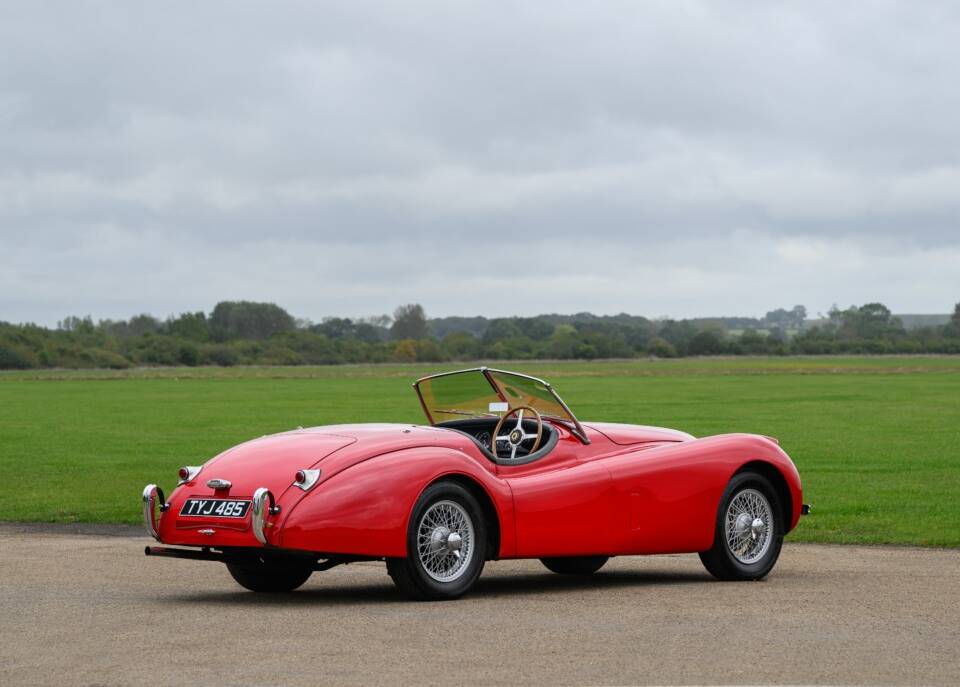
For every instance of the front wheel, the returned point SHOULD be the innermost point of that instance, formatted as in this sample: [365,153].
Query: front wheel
[749,530]
[270,575]
[446,544]
[575,565]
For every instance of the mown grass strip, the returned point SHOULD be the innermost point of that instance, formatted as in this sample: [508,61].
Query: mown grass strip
[877,440]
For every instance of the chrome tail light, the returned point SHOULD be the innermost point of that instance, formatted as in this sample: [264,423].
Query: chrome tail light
[306,479]
[187,473]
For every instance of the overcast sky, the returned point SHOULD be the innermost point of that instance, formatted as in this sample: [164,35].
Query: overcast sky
[657,158]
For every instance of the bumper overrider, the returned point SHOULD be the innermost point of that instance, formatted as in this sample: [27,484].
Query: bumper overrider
[259,512]
[152,495]
[264,505]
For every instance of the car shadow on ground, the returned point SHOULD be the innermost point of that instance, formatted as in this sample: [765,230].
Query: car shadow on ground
[488,587]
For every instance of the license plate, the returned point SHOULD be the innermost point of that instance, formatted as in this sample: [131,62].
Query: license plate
[214,508]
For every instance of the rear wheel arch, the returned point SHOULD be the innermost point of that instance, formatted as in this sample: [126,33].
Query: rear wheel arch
[779,482]
[491,516]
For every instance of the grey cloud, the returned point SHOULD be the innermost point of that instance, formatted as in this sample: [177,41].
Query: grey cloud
[342,157]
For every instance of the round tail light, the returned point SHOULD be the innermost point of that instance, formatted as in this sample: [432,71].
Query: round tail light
[188,472]
[300,477]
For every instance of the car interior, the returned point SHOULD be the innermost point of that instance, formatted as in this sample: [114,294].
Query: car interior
[480,430]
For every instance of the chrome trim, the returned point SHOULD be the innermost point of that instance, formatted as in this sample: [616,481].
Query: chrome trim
[192,472]
[259,518]
[580,432]
[312,477]
[151,495]
[577,429]
[217,483]
[207,531]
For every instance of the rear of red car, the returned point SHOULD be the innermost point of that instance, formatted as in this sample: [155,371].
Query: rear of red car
[216,505]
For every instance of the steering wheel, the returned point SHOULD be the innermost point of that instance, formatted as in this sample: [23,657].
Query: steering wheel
[517,436]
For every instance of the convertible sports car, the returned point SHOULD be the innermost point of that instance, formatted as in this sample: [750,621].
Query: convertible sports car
[503,470]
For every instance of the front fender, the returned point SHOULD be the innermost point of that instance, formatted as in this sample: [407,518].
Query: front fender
[737,451]
[365,509]
[668,496]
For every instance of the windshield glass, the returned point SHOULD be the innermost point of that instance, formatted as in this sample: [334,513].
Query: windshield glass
[483,392]
[457,395]
[527,391]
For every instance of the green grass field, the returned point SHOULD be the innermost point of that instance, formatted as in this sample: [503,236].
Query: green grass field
[877,440]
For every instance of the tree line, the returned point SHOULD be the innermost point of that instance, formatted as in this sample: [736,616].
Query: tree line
[248,333]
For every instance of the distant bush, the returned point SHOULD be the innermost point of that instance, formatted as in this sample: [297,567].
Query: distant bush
[218,354]
[246,320]
[99,357]
[707,342]
[17,357]
[661,348]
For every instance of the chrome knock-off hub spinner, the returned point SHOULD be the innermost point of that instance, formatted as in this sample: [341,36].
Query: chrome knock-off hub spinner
[445,541]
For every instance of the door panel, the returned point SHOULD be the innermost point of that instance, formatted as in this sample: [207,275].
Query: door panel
[562,511]
[665,499]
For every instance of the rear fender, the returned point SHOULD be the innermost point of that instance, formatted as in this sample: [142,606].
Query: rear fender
[365,509]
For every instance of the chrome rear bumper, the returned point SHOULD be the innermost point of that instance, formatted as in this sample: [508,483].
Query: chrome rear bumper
[264,505]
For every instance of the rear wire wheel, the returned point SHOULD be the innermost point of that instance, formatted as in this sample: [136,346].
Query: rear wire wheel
[749,530]
[446,544]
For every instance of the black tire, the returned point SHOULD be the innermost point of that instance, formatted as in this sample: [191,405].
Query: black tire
[720,561]
[271,575]
[409,573]
[575,565]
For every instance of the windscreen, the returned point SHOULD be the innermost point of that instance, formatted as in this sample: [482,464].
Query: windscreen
[457,395]
[526,391]
[470,393]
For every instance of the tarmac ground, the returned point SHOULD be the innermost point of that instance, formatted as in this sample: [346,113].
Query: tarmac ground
[84,606]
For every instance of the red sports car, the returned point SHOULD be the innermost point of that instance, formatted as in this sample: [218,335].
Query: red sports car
[503,470]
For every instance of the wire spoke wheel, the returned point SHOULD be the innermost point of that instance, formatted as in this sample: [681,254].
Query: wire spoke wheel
[749,526]
[445,541]
[447,544]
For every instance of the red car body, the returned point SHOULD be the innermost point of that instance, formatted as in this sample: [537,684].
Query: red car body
[602,489]
[631,490]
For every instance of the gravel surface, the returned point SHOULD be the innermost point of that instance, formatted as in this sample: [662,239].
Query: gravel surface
[85,609]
